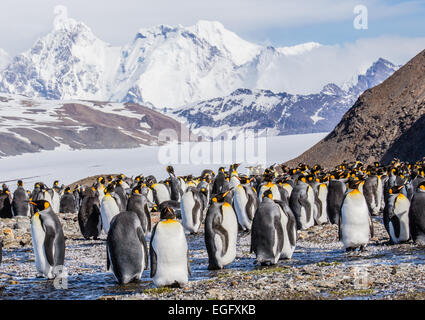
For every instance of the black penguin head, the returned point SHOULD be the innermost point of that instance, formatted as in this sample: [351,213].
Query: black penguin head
[167,213]
[20,183]
[354,183]
[204,191]
[170,170]
[421,187]
[396,189]
[109,189]
[268,194]
[244,180]
[40,205]
[137,189]
[221,169]
[56,183]
[220,197]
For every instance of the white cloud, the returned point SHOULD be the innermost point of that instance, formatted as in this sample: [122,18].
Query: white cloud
[309,72]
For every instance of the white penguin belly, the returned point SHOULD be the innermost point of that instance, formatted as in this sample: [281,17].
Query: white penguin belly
[56,202]
[239,201]
[170,246]
[355,221]
[37,234]
[230,224]
[186,205]
[162,193]
[108,210]
[323,193]
[288,188]
[287,249]
[311,200]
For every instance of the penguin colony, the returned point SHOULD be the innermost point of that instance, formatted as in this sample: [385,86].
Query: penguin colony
[268,206]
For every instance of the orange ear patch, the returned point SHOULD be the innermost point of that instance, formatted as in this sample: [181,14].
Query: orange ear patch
[46,205]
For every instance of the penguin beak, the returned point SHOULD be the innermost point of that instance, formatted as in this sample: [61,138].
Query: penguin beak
[34,204]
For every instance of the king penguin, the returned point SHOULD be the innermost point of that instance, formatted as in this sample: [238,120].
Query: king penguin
[336,191]
[5,203]
[48,240]
[245,203]
[138,203]
[396,215]
[127,252]
[417,215]
[67,202]
[302,203]
[109,207]
[355,224]
[89,218]
[221,231]
[169,251]
[273,233]
[20,203]
[192,209]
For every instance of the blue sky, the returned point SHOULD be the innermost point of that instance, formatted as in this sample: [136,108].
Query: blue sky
[275,22]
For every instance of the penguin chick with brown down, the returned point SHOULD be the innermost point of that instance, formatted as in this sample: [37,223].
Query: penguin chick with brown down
[169,252]
[355,223]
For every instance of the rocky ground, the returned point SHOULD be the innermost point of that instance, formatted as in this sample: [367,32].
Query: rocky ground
[319,269]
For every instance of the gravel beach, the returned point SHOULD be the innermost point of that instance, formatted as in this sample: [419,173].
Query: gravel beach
[319,269]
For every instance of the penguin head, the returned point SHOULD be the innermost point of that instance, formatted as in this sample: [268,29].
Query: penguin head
[220,197]
[170,170]
[221,169]
[354,183]
[167,213]
[40,205]
[421,187]
[268,194]
[109,189]
[20,183]
[137,189]
[204,191]
[396,189]
[56,183]
[68,190]
[244,180]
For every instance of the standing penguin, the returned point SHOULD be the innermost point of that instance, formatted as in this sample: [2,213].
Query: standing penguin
[336,191]
[355,224]
[273,233]
[169,252]
[192,208]
[48,240]
[302,203]
[127,252]
[220,183]
[417,215]
[67,202]
[138,203]
[321,197]
[269,185]
[20,203]
[245,203]
[221,231]
[89,218]
[5,203]
[55,194]
[109,207]
[396,215]
[175,189]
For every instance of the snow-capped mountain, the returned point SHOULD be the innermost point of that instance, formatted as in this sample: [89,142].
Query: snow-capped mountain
[32,125]
[280,113]
[4,59]
[163,66]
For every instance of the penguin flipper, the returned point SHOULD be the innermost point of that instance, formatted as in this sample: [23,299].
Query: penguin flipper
[148,216]
[48,244]
[396,225]
[222,233]
[142,240]
[340,227]
[108,262]
[188,264]
[152,254]
[279,230]
[371,227]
